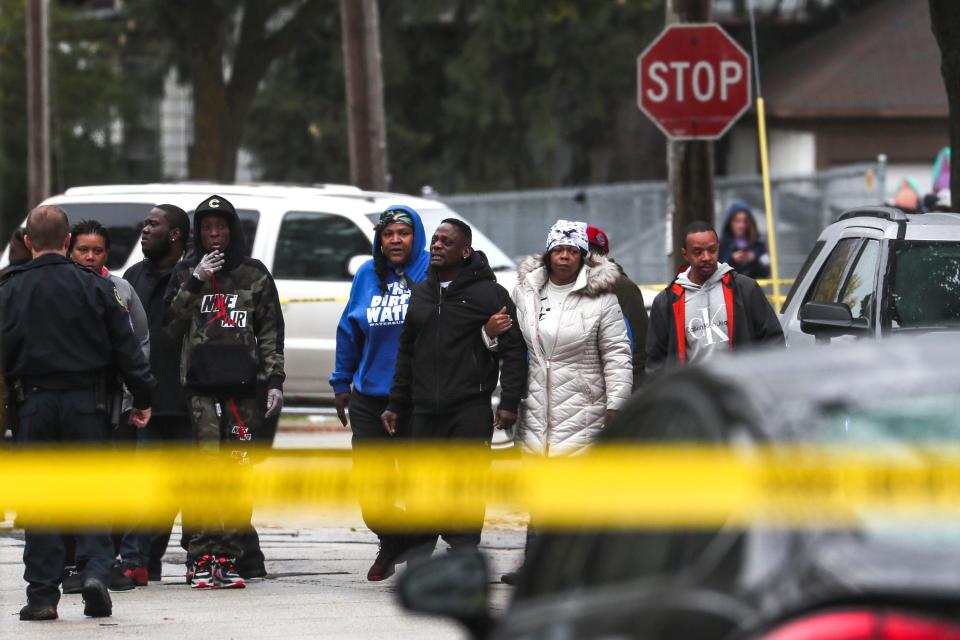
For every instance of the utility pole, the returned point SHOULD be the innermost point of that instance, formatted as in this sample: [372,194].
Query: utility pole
[690,165]
[38,103]
[365,112]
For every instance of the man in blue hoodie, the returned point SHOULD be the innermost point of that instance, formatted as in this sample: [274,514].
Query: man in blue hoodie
[368,338]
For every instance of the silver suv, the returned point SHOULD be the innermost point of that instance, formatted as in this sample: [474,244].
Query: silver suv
[875,272]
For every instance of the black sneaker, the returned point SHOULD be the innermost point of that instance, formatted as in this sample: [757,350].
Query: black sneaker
[34,613]
[71,581]
[96,599]
[511,578]
[251,568]
[118,580]
[155,571]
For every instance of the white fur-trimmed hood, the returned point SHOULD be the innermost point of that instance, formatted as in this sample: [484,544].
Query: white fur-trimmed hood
[599,276]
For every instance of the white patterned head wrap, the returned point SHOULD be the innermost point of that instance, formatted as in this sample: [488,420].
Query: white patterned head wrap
[569,233]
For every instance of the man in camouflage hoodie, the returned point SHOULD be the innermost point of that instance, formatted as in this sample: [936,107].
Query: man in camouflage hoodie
[225,308]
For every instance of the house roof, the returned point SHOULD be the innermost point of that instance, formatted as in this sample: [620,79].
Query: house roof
[882,62]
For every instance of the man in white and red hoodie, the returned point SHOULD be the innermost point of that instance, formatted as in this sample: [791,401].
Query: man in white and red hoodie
[708,309]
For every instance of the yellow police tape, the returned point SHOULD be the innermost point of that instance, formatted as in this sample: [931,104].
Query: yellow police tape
[610,487]
[305,300]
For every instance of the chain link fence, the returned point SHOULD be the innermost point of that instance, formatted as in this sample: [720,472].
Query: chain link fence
[634,214]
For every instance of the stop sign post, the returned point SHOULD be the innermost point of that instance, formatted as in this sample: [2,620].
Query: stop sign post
[693,81]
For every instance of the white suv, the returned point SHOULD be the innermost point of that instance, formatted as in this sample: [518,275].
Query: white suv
[877,272]
[312,239]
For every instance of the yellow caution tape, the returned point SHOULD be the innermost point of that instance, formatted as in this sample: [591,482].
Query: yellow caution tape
[763,282]
[303,300]
[648,287]
[413,487]
[776,299]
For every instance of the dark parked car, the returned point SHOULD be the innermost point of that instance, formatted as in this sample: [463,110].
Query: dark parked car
[884,578]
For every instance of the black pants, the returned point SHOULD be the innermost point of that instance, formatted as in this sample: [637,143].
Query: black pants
[368,431]
[471,423]
[145,547]
[164,431]
[61,416]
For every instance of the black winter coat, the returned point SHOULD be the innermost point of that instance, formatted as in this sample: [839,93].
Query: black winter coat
[64,323]
[635,312]
[442,362]
[169,398]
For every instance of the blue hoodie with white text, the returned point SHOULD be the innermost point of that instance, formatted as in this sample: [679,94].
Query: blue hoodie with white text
[368,335]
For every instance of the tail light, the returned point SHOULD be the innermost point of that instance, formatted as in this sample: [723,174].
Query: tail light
[866,625]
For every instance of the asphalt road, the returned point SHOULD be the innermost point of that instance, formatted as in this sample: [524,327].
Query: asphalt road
[316,588]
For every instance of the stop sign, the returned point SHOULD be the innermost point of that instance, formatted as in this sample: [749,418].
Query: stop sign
[693,81]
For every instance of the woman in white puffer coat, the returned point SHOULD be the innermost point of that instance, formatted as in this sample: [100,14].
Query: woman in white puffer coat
[580,362]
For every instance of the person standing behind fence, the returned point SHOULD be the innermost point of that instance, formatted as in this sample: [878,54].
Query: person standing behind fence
[708,309]
[65,333]
[445,376]
[226,309]
[164,238]
[740,243]
[580,371]
[368,337]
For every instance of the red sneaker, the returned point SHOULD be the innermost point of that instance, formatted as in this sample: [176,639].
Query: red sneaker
[200,573]
[138,574]
[385,564]
[225,574]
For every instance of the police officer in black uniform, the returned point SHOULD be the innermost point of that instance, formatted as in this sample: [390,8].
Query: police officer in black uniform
[65,332]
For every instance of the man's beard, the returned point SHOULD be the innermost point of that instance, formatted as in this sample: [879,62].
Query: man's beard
[155,253]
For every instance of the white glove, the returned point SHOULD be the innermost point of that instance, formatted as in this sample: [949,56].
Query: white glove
[209,265]
[274,402]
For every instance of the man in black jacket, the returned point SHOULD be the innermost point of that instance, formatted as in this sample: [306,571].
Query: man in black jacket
[445,375]
[708,309]
[65,332]
[166,232]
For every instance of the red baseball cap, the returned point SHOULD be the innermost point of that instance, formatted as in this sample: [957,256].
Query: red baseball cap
[598,239]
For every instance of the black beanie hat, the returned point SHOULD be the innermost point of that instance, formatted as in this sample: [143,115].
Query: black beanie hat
[215,204]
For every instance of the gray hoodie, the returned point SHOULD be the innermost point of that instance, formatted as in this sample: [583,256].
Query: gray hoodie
[706,316]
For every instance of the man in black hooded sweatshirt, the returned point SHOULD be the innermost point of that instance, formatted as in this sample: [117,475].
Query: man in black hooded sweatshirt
[445,375]
[226,308]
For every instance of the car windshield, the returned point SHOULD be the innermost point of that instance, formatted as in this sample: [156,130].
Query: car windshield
[499,261]
[925,291]
[915,421]
[909,430]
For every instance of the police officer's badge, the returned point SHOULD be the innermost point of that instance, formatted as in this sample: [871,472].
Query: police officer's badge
[116,294]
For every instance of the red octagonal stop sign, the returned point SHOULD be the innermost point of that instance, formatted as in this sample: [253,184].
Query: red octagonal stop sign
[693,81]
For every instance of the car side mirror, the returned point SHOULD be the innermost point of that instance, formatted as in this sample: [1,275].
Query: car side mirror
[354,264]
[827,320]
[453,585]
